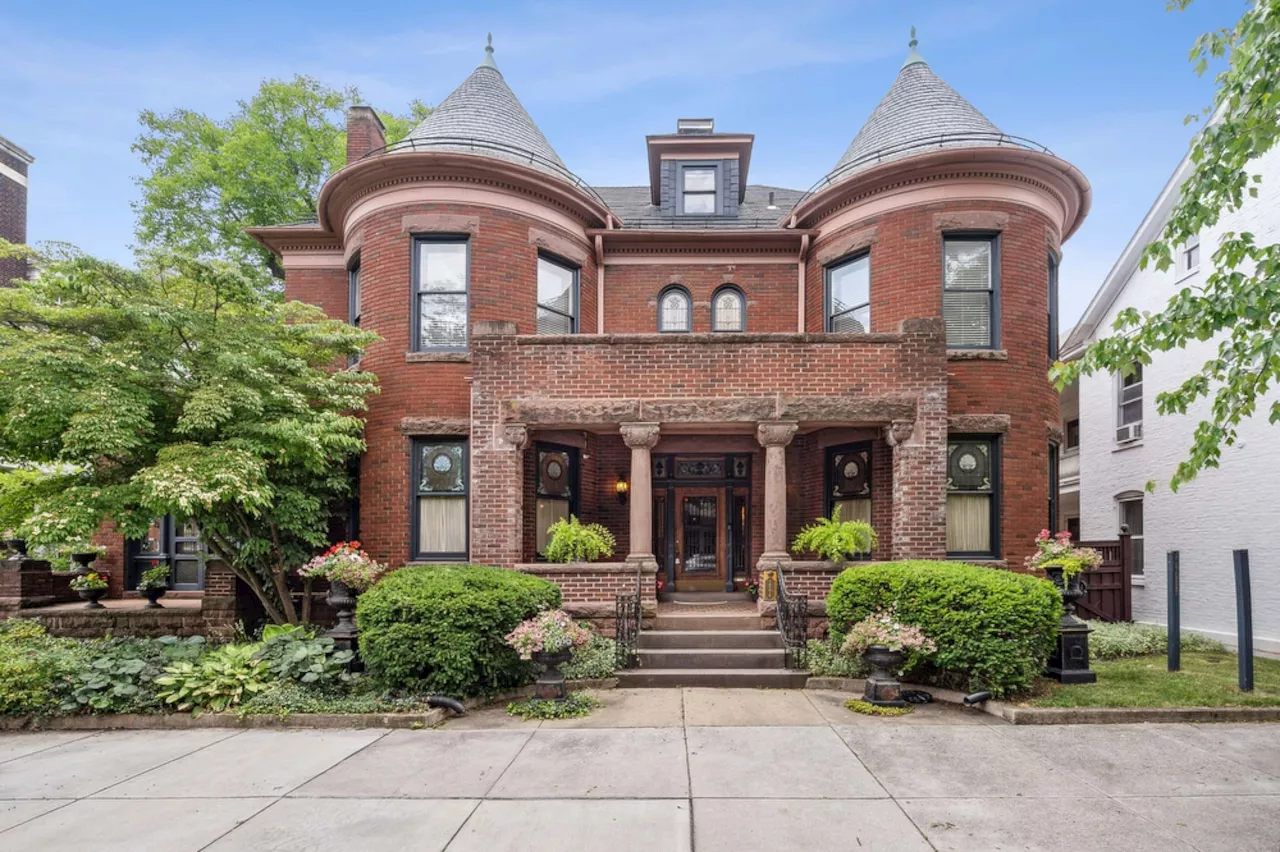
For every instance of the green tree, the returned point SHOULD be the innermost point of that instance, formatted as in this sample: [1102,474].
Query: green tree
[207,180]
[182,387]
[1238,305]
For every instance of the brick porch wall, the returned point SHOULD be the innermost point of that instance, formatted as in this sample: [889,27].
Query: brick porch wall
[589,590]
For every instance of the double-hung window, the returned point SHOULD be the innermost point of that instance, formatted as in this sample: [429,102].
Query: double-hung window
[353,300]
[973,488]
[440,293]
[849,295]
[440,491]
[1053,307]
[557,297]
[1130,505]
[699,189]
[971,291]
[1129,405]
[1189,257]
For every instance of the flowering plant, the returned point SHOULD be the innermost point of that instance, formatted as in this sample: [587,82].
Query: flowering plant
[1058,550]
[551,631]
[883,628]
[155,577]
[85,582]
[345,563]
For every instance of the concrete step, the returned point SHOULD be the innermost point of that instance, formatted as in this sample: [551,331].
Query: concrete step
[722,658]
[707,621]
[722,678]
[704,597]
[708,639]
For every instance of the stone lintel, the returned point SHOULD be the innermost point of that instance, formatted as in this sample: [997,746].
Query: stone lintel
[846,243]
[971,220]
[434,426]
[558,245]
[439,223]
[804,409]
[979,424]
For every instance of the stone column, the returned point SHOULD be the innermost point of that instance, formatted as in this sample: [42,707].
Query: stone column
[774,436]
[641,438]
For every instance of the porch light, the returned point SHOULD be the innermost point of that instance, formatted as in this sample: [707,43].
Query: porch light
[622,487]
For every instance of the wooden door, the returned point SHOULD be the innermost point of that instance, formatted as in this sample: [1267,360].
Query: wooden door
[699,545]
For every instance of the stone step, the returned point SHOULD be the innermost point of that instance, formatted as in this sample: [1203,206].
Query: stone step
[722,658]
[708,639]
[707,621]
[723,678]
[704,597]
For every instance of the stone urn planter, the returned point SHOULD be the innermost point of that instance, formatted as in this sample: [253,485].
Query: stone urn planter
[1069,662]
[550,684]
[84,559]
[17,546]
[153,596]
[92,596]
[342,598]
[883,688]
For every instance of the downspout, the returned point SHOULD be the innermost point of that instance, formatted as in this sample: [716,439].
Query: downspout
[801,266]
[600,282]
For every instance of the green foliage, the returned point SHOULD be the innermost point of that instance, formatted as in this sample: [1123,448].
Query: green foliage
[594,660]
[180,388]
[994,629]
[825,659]
[88,582]
[1206,679]
[155,578]
[297,654]
[1112,640]
[441,629]
[1237,303]
[836,540]
[120,673]
[869,709]
[207,179]
[36,670]
[218,681]
[575,704]
[284,697]
[572,541]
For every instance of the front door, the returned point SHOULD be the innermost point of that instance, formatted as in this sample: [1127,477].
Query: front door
[699,545]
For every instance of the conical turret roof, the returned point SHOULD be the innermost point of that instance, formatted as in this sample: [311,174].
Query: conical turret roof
[919,112]
[483,116]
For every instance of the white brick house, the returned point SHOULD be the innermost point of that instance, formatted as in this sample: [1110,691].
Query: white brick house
[1123,444]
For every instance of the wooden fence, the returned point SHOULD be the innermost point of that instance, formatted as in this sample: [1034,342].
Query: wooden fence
[1110,589]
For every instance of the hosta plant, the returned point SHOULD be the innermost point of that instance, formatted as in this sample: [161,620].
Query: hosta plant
[218,681]
[550,631]
[573,541]
[836,540]
[294,653]
[1058,550]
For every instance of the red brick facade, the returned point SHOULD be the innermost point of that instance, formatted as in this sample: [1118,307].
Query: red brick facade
[13,207]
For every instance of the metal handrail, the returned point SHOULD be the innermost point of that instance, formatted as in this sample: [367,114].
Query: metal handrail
[627,613]
[471,143]
[792,616]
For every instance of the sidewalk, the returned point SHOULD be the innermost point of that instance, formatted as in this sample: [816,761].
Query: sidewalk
[711,770]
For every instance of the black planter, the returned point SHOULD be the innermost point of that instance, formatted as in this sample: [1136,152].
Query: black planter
[550,683]
[17,545]
[342,599]
[92,596]
[883,688]
[1069,662]
[83,560]
[153,596]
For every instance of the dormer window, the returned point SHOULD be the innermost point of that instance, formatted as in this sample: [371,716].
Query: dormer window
[699,189]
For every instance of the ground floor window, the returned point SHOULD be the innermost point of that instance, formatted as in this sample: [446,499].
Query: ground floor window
[1131,522]
[973,471]
[557,489]
[440,491]
[848,482]
[173,543]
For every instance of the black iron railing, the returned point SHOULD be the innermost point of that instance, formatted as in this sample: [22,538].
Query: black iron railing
[626,630]
[793,623]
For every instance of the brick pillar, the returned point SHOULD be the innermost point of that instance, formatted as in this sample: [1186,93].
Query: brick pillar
[641,438]
[365,132]
[774,436]
[919,483]
[219,605]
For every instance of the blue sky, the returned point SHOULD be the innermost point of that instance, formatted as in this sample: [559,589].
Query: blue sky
[1105,85]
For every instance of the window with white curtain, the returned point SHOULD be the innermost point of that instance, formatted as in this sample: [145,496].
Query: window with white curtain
[970,292]
[441,489]
[973,472]
[728,310]
[675,310]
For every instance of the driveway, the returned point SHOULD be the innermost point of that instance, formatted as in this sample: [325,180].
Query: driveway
[705,769]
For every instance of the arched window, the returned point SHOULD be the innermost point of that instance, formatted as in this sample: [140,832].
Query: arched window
[675,310]
[728,310]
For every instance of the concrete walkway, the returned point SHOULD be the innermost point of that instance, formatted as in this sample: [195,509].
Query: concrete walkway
[696,769]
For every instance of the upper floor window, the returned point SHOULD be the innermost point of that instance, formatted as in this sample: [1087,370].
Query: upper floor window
[699,189]
[1053,307]
[440,490]
[353,292]
[728,310]
[1189,257]
[849,295]
[557,297]
[440,278]
[1129,405]
[971,291]
[973,486]
[675,310]
[1073,434]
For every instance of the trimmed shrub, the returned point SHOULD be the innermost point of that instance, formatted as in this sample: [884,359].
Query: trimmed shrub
[441,628]
[995,629]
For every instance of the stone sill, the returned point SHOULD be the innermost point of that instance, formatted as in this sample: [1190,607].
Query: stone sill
[437,357]
[977,355]
[1127,445]
[585,568]
[702,338]
[985,563]
[1137,581]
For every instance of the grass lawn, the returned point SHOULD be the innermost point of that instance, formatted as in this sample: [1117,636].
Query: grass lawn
[1207,679]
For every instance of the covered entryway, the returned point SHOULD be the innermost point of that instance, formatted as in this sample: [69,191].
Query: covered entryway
[701,514]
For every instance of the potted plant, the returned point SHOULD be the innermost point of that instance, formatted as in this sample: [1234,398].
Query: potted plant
[154,583]
[549,639]
[349,571]
[91,586]
[885,643]
[836,540]
[1064,563]
[84,557]
[753,590]
[572,541]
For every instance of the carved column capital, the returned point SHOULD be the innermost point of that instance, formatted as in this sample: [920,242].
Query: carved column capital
[899,432]
[640,435]
[516,435]
[775,433]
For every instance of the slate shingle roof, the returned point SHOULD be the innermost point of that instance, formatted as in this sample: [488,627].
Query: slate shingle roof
[633,205]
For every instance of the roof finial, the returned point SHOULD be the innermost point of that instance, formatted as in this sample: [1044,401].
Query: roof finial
[488,62]
[913,55]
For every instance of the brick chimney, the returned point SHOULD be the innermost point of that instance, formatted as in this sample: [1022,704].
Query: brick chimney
[365,132]
[13,206]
